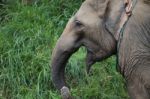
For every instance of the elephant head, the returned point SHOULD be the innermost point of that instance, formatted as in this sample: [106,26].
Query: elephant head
[92,27]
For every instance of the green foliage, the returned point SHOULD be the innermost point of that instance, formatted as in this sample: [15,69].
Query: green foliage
[28,34]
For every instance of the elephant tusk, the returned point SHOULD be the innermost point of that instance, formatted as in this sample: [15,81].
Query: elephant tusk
[65,93]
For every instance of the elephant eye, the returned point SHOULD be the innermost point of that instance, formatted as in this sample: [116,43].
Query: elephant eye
[78,23]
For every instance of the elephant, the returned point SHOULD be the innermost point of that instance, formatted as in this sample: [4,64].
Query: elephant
[95,27]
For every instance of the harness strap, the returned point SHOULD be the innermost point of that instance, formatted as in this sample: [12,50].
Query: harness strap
[129,5]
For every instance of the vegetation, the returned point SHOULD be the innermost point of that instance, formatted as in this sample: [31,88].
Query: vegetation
[28,34]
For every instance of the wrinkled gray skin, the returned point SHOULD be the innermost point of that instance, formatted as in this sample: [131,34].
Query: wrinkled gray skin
[94,26]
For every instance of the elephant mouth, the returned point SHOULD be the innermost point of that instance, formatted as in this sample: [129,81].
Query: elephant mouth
[90,60]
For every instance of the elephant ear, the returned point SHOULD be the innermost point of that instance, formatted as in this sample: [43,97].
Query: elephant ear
[112,17]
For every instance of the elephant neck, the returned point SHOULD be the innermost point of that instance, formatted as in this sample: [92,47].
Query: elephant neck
[134,47]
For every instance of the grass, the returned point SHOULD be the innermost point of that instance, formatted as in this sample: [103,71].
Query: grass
[28,34]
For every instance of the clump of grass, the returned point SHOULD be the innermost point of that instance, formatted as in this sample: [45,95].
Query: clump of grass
[28,34]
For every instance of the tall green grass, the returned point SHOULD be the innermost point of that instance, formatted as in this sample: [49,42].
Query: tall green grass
[28,34]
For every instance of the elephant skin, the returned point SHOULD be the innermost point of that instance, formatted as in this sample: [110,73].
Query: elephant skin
[94,26]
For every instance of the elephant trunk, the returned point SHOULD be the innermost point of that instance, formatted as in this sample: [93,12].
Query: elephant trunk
[59,61]
[61,54]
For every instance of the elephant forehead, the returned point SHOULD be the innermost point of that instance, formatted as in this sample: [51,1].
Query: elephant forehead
[87,14]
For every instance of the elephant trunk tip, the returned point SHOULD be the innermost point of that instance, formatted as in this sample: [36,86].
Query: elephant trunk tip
[65,93]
